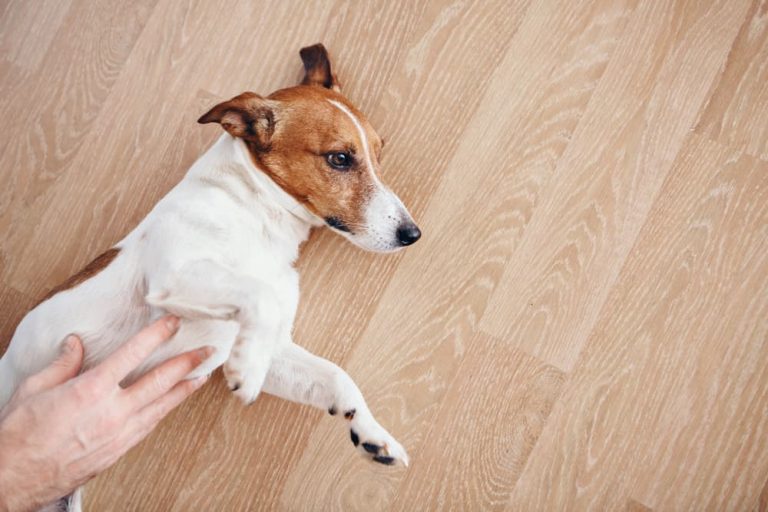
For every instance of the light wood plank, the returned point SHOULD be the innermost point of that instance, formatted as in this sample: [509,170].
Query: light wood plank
[762,502]
[13,307]
[480,439]
[667,403]
[737,110]
[550,296]
[27,29]
[58,103]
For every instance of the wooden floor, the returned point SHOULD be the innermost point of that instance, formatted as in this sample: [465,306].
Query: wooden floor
[583,326]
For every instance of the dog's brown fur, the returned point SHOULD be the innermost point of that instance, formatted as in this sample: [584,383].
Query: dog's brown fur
[91,269]
[291,132]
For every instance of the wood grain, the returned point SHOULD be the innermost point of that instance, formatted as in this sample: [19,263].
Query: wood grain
[737,109]
[57,102]
[14,306]
[582,326]
[674,367]
[608,178]
[27,30]
[762,502]
[480,440]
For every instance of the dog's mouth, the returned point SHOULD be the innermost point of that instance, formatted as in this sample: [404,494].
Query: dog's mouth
[404,234]
[382,224]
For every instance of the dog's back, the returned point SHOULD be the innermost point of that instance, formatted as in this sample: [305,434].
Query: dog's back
[105,304]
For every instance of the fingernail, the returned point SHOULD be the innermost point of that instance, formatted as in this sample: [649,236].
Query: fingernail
[205,352]
[69,343]
[172,322]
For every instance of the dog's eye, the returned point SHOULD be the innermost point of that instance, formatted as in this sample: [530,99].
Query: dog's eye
[340,161]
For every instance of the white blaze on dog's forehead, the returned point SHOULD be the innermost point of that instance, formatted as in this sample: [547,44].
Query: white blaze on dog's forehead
[360,130]
[384,211]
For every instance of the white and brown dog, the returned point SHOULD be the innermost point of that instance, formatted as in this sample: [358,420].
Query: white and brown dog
[218,251]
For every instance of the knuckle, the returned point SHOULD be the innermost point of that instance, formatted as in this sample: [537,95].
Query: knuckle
[133,354]
[166,327]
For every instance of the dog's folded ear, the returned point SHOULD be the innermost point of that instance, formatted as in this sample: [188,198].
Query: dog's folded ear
[248,116]
[317,68]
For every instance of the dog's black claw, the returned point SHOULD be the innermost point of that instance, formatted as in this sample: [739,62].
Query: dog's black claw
[332,411]
[383,459]
[350,414]
[355,439]
[371,448]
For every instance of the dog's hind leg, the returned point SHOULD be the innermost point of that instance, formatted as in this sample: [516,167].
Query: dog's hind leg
[205,289]
[300,376]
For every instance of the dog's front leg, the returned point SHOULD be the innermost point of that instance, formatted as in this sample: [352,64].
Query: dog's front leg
[205,289]
[303,377]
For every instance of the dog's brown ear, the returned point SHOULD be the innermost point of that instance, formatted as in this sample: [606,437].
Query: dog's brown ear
[248,116]
[317,68]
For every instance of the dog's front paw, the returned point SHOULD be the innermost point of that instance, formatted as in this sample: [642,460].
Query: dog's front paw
[245,382]
[373,441]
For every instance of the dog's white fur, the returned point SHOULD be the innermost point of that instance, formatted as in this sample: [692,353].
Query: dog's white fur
[217,250]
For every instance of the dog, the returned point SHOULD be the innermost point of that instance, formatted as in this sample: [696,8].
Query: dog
[219,250]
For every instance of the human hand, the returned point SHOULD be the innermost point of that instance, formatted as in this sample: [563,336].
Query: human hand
[59,429]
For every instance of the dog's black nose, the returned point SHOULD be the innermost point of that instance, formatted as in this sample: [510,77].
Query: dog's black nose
[408,233]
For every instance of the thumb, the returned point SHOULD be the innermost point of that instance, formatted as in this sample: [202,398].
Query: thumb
[63,368]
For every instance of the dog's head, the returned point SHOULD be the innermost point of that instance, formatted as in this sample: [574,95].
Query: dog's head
[321,150]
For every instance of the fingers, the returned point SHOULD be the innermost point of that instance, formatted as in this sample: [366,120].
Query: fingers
[161,379]
[140,424]
[157,410]
[132,353]
[65,367]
